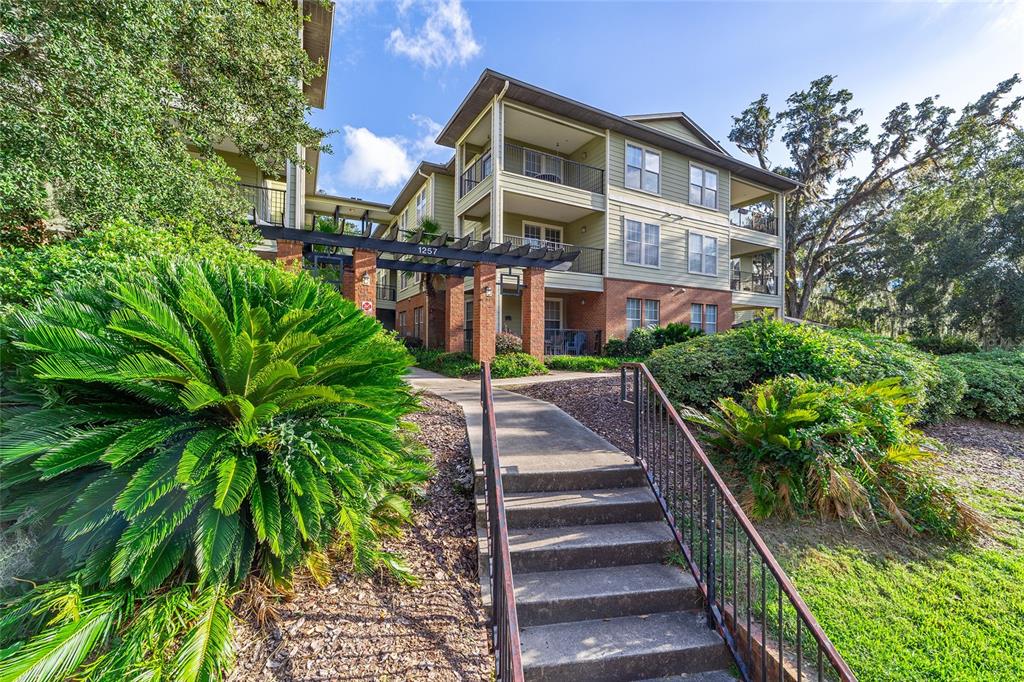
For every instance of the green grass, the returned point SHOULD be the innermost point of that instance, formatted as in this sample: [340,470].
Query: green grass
[585,363]
[919,610]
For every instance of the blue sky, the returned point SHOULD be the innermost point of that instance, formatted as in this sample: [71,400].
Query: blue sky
[399,70]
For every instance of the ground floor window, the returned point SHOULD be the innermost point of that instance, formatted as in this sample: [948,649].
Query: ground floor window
[634,314]
[417,322]
[402,323]
[552,314]
[652,313]
[468,325]
[704,317]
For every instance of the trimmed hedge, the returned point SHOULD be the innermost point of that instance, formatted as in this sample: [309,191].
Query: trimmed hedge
[460,365]
[586,363]
[995,384]
[510,365]
[704,369]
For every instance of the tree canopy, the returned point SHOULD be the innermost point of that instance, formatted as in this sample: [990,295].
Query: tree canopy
[834,215]
[112,108]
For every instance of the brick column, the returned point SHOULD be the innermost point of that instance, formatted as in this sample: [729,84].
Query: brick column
[454,315]
[484,277]
[533,312]
[289,254]
[348,283]
[364,280]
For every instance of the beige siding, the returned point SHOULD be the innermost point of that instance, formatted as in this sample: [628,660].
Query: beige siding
[674,128]
[248,172]
[675,175]
[592,153]
[443,208]
[531,187]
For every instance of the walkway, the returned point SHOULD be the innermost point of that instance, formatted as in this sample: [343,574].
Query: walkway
[588,543]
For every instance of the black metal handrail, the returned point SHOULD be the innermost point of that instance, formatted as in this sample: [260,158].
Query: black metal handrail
[477,172]
[386,292]
[589,261]
[534,163]
[572,342]
[505,624]
[756,282]
[266,205]
[748,597]
[760,221]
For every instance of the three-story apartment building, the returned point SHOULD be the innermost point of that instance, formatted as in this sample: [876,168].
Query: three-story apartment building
[669,226]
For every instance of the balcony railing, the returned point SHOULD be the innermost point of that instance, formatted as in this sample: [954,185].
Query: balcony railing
[755,282]
[760,221]
[266,205]
[571,342]
[386,292]
[478,171]
[551,168]
[590,261]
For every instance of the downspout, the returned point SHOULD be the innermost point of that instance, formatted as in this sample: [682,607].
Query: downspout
[498,159]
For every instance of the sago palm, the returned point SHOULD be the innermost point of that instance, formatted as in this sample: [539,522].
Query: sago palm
[190,426]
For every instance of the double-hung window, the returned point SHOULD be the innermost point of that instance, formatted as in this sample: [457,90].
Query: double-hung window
[421,206]
[643,243]
[417,322]
[633,314]
[652,313]
[703,187]
[401,323]
[703,254]
[539,234]
[643,169]
[704,317]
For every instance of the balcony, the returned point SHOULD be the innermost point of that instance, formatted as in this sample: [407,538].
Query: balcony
[386,292]
[477,172]
[572,342]
[590,261]
[754,219]
[266,205]
[754,282]
[551,168]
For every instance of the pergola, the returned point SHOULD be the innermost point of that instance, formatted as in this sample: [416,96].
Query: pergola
[360,255]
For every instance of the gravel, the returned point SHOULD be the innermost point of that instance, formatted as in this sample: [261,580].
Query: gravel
[358,628]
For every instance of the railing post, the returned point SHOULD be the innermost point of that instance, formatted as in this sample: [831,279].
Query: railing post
[709,529]
[636,413]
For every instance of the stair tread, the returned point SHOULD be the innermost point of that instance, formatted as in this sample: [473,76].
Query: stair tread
[592,583]
[575,462]
[578,498]
[710,676]
[590,641]
[573,537]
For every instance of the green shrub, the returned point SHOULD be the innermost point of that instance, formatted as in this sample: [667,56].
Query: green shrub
[168,435]
[995,384]
[944,345]
[841,450]
[615,348]
[585,363]
[450,364]
[674,332]
[506,342]
[640,342]
[701,370]
[516,365]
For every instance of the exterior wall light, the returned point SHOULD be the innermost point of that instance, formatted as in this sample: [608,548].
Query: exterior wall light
[366,279]
[488,291]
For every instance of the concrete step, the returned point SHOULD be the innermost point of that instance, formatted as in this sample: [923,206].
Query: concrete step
[581,507]
[569,471]
[710,676]
[629,648]
[610,592]
[573,547]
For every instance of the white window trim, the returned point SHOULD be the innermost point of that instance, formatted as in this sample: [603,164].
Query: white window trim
[625,164]
[718,253]
[643,232]
[561,311]
[643,312]
[640,320]
[544,227]
[421,209]
[718,192]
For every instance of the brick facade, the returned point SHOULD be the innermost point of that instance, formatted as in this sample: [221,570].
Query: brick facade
[364,266]
[408,305]
[484,323]
[454,315]
[533,312]
[675,303]
[289,254]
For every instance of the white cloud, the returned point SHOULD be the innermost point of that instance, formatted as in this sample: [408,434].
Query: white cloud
[446,37]
[378,162]
[374,161]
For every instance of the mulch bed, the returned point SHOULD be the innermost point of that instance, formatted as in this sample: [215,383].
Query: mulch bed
[357,628]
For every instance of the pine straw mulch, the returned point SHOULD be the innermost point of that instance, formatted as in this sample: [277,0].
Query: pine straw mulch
[357,628]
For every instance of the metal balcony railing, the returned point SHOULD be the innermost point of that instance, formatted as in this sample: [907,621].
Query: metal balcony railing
[477,172]
[754,282]
[543,166]
[748,598]
[590,261]
[386,292]
[266,205]
[572,342]
[761,221]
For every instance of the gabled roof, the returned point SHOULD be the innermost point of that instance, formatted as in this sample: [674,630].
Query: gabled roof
[684,121]
[492,83]
[416,180]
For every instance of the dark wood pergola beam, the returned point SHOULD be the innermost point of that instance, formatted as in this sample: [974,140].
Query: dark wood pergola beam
[393,264]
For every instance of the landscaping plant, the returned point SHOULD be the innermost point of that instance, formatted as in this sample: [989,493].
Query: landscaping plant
[172,435]
[511,365]
[995,384]
[507,342]
[842,450]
